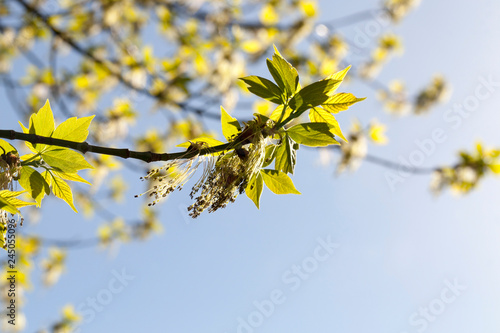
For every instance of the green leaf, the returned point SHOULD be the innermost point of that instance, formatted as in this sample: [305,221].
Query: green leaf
[264,88]
[338,76]
[73,129]
[33,182]
[277,113]
[208,142]
[254,189]
[28,144]
[270,155]
[312,134]
[70,176]
[318,115]
[340,102]
[230,126]
[42,123]
[284,73]
[7,147]
[10,203]
[7,206]
[278,182]
[65,160]
[62,190]
[312,95]
[25,130]
[47,177]
[286,156]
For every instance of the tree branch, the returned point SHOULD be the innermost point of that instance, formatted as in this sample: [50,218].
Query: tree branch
[149,157]
[85,147]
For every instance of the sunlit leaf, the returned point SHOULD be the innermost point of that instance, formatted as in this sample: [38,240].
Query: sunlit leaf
[10,203]
[7,147]
[286,156]
[312,134]
[312,95]
[62,190]
[319,115]
[73,129]
[42,123]
[278,114]
[264,88]
[340,75]
[284,73]
[270,155]
[254,189]
[70,176]
[230,126]
[205,141]
[340,102]
[33,182]
[65,160]
[278,182]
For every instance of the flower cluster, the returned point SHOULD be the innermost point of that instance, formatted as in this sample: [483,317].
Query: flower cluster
[224,176]
[395,99]
[229,177]
[10,165]
[436,92]
[356,148]
[9,170]
[173,175]
[397,9]
[388,44]
[466,175]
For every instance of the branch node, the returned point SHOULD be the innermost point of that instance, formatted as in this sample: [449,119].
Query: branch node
[85,147]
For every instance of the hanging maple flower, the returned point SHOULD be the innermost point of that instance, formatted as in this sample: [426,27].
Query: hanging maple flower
[10,167]
[229,177]
[467,173]
[174,174]
[436,92]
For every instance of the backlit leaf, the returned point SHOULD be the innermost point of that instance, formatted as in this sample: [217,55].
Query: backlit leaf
[10,203]
[33,182]
[264,88]
[206,141]
[42,123]
[286,156]
[62,190]
[340,102]
[65,160]
[278,182]
[312,134]
[312,95]
[7,147]
[254,189]
[230,126]
[284,73]
[318,115]
[73,129]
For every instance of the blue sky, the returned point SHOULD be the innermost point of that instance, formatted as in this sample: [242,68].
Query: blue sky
[403,261]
